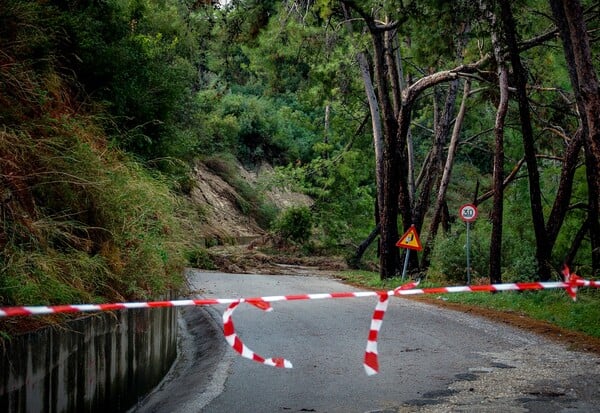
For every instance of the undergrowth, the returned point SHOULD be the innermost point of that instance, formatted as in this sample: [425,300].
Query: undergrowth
[82,222]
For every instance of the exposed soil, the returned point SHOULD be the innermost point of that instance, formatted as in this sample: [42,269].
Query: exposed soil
[225,221]
[224,218]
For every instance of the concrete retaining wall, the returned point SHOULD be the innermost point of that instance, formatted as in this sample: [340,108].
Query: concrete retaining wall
[100,363]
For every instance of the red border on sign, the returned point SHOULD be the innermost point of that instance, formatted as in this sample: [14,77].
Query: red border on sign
[410,237]
[471,219]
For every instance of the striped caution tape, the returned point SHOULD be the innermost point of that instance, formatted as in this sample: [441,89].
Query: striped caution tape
[571,284]
[371,359]
[236,343]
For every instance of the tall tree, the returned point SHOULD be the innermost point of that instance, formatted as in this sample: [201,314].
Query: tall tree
[396,124]
[519,77]
[570,19]
[387,184]
[498,174]
[440,201]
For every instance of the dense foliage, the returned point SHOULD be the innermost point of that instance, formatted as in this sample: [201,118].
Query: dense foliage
[105,104]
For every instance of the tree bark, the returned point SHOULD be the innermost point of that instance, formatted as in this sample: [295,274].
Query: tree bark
[498,174]
[442,130]
[391,156]
[387,169]
[576,243]
[569,18]
[362,247]
[565,187]
[543,250]
[440,202]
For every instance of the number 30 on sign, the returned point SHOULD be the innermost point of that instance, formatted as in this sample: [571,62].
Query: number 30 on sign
[468,212]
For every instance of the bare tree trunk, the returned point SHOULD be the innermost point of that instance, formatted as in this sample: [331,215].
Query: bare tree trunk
[565,187]
[432,171]
[498,174]
[392,60]
[569,18]
[362,247]
[440,202]
[543,250]
[410,153]
[576,243]
[375,121]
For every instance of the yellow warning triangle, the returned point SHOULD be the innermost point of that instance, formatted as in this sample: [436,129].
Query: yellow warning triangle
[410,240]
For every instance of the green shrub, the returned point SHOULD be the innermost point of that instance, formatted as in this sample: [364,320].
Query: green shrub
[295,224]
[200,258]
[449,256]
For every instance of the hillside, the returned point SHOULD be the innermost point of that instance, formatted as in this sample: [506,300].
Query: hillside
[224,219]
[246,251]
[235,240]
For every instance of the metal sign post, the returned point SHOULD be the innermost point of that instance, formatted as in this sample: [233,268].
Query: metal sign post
[405,263]
[468,213]
[468,255]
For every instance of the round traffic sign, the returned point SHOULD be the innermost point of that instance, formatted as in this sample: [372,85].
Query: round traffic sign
[468,212]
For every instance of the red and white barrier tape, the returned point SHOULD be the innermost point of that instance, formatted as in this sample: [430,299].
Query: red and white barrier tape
[234,341]
[371,359]
[371,364]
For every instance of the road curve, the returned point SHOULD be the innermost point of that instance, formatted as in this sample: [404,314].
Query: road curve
[431,359]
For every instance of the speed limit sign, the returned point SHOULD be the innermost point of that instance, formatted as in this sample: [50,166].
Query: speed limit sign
[468,212]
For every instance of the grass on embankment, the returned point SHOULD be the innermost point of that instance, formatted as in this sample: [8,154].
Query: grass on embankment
[552,306]
[87,223]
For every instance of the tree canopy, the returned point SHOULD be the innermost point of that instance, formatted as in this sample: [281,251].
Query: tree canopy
[389,114]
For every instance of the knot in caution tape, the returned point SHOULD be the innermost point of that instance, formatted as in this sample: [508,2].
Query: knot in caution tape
[573,281]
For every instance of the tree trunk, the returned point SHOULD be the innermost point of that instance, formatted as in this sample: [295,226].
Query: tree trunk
[386,163]
[440,202]
[498,174]
[432,171]
[362,247]
[394,72]
[576,243]
[543,250]
[388,210]
[565,187]
[569,18]
[589,88]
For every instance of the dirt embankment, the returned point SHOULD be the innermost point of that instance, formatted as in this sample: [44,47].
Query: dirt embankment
[221,202]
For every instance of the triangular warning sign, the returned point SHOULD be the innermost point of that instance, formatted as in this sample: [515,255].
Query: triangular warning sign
[410,240]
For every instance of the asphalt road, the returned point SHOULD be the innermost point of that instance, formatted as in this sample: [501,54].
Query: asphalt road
[431,359]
